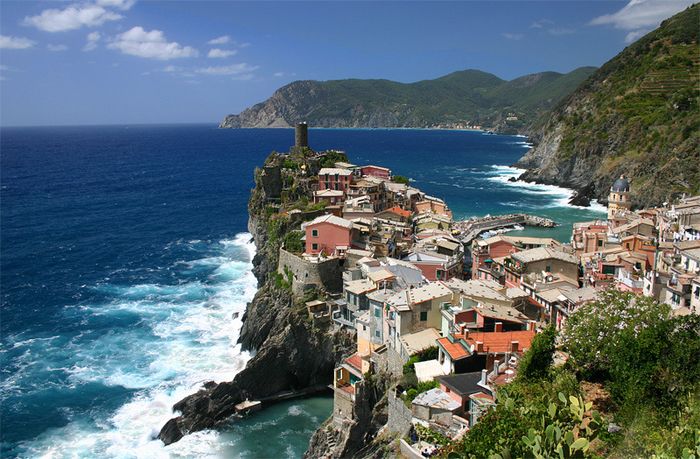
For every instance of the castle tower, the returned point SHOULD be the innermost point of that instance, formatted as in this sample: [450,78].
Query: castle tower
[301,135]
[619,198]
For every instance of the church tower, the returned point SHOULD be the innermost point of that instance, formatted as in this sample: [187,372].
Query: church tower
[619,198]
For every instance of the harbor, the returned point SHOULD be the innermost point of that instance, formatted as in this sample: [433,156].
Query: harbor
[470,229]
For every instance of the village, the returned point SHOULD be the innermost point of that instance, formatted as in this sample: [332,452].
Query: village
[448,317]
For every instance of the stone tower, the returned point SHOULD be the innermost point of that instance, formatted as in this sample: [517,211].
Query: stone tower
[619,198]
[301,135]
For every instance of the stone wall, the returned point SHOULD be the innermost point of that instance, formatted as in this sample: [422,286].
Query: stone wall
[395,362]
[399,415]
[327,274]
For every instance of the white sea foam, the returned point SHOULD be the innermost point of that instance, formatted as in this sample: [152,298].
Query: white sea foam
[187,336]
[559,196]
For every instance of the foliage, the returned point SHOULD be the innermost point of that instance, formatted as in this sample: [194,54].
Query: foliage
[468,95]
[284,281]
[637,115]
[333,157]
[428,435]
[430,353]
[293,242]
[400,179]
[538,359]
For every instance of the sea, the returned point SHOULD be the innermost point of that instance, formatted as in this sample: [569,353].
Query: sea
[125,270]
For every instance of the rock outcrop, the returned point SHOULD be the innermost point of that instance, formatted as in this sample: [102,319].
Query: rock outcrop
[291,353]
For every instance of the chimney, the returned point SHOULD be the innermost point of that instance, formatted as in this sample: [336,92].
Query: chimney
[498,327]
[479,346]
[301,135]
[514,346]
[483,377]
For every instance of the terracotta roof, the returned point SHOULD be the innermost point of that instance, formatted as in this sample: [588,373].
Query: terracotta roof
[499,342]
[455,350]
[399,211]
[355,361]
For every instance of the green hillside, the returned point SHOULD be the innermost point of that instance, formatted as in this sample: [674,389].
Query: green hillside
[638,115]
[468,96]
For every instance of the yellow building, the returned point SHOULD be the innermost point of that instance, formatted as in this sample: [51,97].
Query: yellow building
[619,198]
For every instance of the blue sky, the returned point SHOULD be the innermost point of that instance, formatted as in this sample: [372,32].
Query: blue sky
[130,61]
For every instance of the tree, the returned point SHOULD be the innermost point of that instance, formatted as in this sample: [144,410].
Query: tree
[400,179]
[538,359]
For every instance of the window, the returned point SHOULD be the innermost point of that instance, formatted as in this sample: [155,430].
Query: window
[314,246]
[439,274]
[338,373]
[600,243]
[336,186]
[423,316]
[377,334]
[377,312]
[314,232]
[548,268]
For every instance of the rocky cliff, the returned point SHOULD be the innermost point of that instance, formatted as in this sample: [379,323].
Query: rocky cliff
[469,95]
[290,351]
[636,115]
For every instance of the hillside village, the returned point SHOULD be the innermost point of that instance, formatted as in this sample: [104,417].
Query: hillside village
[448,323]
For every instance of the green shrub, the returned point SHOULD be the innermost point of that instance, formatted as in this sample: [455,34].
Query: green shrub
[538,359]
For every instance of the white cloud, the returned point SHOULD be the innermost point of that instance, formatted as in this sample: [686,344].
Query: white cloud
[635,34]
[513,36]
[638,14]
[278,74]
[172,68]
[8,42]
[541,24]
[71,18]
[56,48]
[219,40]
[242,70]
[150,45]
[92,39]
[118,4]
[221,53]
[560,31]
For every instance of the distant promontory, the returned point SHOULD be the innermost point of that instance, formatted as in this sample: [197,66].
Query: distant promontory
[464,99]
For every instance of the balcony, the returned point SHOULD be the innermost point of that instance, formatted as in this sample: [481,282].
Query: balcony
[342,321]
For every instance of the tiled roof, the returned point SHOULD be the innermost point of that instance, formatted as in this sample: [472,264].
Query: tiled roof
[334,170]
[329,218]
[428,292]
[399,211]
[543,253]
[499,342]
[455,350]
[464,383]
[355,361]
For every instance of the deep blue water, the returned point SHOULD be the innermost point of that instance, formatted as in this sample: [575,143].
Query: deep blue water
[124,256]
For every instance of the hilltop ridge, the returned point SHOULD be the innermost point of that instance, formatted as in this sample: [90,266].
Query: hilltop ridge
[467,96]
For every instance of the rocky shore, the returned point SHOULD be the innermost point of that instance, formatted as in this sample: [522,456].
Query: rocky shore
[291,353]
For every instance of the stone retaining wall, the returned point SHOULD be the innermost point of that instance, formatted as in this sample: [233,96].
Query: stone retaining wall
[327,274]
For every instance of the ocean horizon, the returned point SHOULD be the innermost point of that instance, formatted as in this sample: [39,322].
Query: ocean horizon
[126,270]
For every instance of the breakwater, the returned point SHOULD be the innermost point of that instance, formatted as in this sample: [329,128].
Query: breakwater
[471,228]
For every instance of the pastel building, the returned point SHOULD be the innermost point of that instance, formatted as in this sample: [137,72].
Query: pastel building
[333,178]
[327,234]
[376,171]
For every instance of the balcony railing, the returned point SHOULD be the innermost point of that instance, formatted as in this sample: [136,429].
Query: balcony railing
[338,318]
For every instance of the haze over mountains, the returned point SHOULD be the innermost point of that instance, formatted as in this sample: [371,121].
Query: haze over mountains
[465,96]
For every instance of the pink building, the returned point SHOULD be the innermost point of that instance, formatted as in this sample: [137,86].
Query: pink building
[333,178]
[327,234]
[376,171]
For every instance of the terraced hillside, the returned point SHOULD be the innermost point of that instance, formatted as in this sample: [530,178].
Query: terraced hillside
[637,115]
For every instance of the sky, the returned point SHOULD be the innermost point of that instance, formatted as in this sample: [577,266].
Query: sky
[135,61]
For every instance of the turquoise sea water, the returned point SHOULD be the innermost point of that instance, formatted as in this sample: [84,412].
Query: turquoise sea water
[125,255]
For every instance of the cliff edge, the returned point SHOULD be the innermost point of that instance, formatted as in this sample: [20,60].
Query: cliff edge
[291,351]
